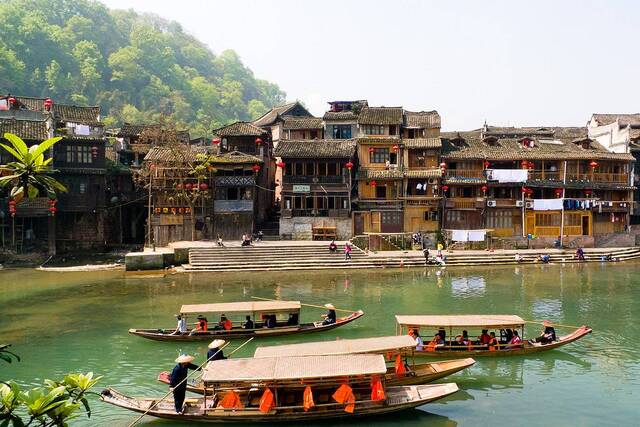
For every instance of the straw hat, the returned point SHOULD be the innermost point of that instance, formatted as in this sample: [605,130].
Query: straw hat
[185,358]
[330,306]
[216,343]
[546,323]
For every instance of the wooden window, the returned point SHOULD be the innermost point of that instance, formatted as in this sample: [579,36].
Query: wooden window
[391,217]
[373,129]
[332,169]
[381,192]
[412,134]
[499,219]
[78,154]
[392,129]
[297,168]
[379,155]
[431,215]
[314,134]
[288,168]
[341,131]
[310,169]
[322,169]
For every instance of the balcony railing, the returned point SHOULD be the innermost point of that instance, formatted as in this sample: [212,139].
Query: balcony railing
[503,203]
[233,205]
[379,204]
[541,175]
[235,181]
[465,173]
[315,179]
[464,203]
[421,200]
[618,178]
[331,213]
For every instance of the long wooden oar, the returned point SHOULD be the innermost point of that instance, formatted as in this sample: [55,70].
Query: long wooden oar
[199,367]
[554,324]
[307,305]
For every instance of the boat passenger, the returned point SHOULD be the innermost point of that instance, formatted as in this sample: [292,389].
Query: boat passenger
[466,341]
[333,248]
[177,379]
[458,344]
[182,326]
[435,342]
[248,323]
[516,341]
[493,342]
[413,333]
[442,333]
[270,321]
[484,338]
[506,335]
[203,324]
[330,317]
[224,323]
[293,319]
[548,335]
[215,352]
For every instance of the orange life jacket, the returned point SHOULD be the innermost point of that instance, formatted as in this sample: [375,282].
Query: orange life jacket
[267,401]
[493,344]
[345,395]
[307,399]
[227,325]
[202,325]
[377,391]
[231,400]
[400,369]
[431,346]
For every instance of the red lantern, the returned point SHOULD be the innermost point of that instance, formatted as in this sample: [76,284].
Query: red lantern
[525,190]
[12,203]
[94,152]
[203,186]
[558,191]
[524,164]
[484,188]
[188,186]
[256,168]
[445,188]
[371,149]
[395,148]
[48,103]
[373,183]
[179,186]
[280,165]
[529,191]
[588,192]
[12,100]
[530,165]
[487,163]
[593,164]
[215,141]
[443,165]
[349,165]
[258,141]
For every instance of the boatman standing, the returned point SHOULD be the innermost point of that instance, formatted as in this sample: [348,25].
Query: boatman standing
[177,380]
[330,317]
[215,352]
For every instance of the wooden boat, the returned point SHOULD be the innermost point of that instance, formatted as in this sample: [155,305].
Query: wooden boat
[258,310]
[389,346]
[286,379]
[454,325]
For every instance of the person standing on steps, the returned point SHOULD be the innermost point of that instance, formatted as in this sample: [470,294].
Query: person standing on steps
[425,252]
[347,250]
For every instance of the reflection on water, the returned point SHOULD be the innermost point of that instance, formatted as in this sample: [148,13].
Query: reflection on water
[62,322]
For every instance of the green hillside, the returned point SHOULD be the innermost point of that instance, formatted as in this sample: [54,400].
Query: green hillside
[134,66]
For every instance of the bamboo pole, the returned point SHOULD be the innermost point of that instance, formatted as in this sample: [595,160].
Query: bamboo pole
[307,305]
[199,367]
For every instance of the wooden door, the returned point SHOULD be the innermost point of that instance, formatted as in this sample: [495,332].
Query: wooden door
[375,222]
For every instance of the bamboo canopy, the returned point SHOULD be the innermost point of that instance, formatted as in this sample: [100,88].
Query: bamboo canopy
[336,347]
[243,307]
[471,321]
[291,368]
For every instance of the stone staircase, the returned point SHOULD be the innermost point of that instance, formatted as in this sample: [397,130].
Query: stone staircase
[315,256]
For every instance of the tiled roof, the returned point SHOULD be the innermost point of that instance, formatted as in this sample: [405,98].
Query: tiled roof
[65,112]
[271,116]
[235,157]
[239,129]
[134,130]
[512,149]
[422,143]
[317,148]
[568,134]
[422,119]
[380,116]
[140,148]
[393,173]
[624,119]
[295,122]
[518,132]
[382,140]
[423,173]
[26,129]
[176,154]
[340,115]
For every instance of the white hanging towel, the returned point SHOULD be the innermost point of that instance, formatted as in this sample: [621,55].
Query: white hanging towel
[477,235]
[460,235]
[547,204]
[418,186]
[510,175]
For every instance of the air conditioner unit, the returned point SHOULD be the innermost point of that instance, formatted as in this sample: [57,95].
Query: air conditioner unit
[529,205]
[491,203]
[519,203]
[433,180]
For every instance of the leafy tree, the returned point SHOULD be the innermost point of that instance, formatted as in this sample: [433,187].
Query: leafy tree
[29,173]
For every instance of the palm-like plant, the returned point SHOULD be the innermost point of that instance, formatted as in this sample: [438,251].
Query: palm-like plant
[29,174]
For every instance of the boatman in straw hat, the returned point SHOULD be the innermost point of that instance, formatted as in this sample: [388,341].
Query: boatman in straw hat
[214,352]
[330,317]
[177,380]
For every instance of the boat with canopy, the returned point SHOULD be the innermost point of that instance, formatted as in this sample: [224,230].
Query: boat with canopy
[290,389]
[398,352]
[269,318]
[457,324]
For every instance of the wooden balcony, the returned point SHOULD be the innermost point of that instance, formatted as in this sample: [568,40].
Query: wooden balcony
[613,178]
[465,173]
[504,203]
[465,203]
[542,175]
[421,200]
[314,179]
[232,206]
[373,204]
[329,213]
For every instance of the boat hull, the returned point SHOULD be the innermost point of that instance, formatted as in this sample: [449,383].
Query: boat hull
[520,351]
[398,398]
[238,333]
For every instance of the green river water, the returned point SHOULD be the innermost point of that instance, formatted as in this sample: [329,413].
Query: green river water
[60,322]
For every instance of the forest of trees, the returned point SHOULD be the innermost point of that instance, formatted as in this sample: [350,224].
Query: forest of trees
[134,66]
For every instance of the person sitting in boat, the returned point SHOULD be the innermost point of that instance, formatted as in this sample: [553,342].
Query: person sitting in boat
[465,338]
[177,379]
[548,335]
[413,333]
[505,335]
[203,324]
[493,342]
[269,320]
[484,338]
[215,352]
[224,323]
[516,341]
[458,344]
[330,317]
[293,319]
[333,248]
[442,333]
[248,323]
[182,326]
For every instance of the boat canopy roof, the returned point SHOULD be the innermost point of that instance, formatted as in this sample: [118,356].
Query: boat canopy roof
[292,368]
[243,307]
[480,320]
[335,347]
